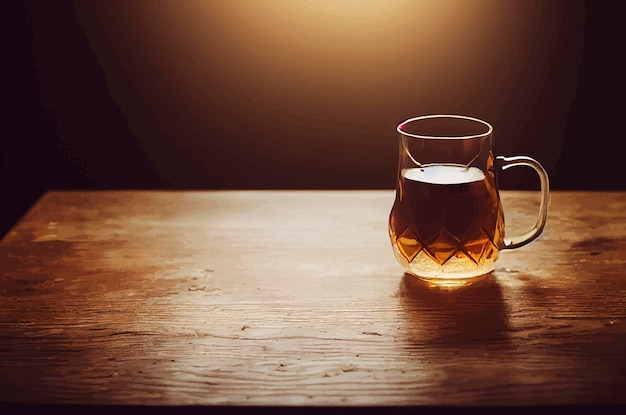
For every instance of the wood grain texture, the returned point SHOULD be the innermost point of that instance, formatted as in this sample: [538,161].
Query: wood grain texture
[295,298]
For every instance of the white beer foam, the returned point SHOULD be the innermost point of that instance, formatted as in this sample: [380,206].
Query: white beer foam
[444,174]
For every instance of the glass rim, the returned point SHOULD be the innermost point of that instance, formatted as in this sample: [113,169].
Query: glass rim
[435,137]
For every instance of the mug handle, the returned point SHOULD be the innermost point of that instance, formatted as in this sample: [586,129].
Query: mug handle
[535,231]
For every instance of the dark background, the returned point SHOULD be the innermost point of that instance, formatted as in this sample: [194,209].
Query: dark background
[263,95]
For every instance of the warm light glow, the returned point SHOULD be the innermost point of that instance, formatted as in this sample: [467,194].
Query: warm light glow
[285,50]
[321,84]
[371,57]
[351,11]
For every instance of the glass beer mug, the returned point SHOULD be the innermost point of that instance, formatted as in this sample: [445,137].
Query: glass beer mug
[447,224]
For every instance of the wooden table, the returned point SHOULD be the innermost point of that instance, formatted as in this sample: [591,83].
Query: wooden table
[295,298]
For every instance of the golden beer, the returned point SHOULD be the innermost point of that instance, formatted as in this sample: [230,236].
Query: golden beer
[446,224]
[447,221]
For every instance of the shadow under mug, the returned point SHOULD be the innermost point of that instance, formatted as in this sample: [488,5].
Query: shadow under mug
[447,223]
